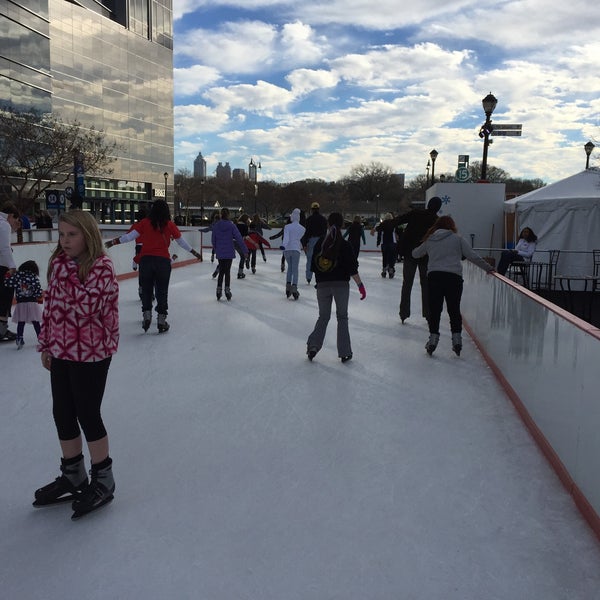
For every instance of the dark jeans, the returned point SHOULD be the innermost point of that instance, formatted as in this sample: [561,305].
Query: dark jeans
[507,258]
[155,273]
[388,252]
[77,392]
[448,287]
[409,269]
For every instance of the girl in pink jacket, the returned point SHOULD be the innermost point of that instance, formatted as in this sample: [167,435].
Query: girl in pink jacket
[79,335]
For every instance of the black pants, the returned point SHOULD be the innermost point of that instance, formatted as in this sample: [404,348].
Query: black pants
[507,258]
[155,273]
[224,272]
[409,269]
[6,296]
[448,287]
[77,392]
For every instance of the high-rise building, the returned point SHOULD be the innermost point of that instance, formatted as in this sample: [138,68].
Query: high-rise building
[106,63]
[200,167]
[224,171]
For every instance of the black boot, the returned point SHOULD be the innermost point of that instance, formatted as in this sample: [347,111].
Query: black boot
[146,319]
[99,492]
[161,323]
[228,293]
[288,289]
[295,292]
[68,486]
[219,292]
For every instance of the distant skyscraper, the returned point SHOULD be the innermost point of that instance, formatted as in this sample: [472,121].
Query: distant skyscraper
[200,167]
[224,171]
[238,175]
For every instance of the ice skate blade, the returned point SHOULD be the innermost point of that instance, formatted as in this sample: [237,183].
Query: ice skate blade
[57,502]
[78,513]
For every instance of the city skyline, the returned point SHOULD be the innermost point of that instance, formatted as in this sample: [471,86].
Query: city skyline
[312,90]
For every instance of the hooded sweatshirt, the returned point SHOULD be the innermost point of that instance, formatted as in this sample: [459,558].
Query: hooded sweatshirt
[446,250]
[293,232]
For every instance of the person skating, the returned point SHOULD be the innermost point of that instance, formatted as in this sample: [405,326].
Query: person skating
[334,264]
[226,236]
[157,231]
[292,247]
[78,337]
[446,250]
[9,222]
[316,227]
[417,222]
[28,291]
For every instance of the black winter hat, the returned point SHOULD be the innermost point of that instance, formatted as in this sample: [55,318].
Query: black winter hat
[434,204]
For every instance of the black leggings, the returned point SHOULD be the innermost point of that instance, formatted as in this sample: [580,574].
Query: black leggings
[224,271]
[77,391]
[448,287]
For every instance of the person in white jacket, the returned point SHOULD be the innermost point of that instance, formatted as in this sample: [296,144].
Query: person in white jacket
[292,246]
[9,222]
[446,249]
[523,251]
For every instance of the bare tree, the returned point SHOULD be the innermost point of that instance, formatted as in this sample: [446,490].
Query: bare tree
[37,153]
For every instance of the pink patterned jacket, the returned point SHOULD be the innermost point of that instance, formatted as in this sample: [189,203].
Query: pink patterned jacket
[80,320]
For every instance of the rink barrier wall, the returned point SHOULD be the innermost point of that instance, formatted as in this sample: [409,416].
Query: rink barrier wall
[121,255]
[547,361]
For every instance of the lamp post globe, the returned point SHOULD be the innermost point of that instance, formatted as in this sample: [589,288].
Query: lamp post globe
[433,155]
[588,150]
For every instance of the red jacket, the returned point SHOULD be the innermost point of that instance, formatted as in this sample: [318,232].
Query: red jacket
[254,240]
[80,321]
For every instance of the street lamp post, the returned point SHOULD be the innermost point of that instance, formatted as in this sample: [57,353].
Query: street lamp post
[253,169]
[433,155]
[588,150]
[166,176]
[489,104]
[428,167]
[377,207]
[202,182]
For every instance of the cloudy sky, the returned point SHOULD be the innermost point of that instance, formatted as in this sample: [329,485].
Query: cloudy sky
[311,89]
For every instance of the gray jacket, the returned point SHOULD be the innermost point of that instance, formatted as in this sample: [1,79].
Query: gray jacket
[446,250]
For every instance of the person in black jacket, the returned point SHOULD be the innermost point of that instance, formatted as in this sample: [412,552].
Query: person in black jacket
[333,263]
[418,221]
[316,226]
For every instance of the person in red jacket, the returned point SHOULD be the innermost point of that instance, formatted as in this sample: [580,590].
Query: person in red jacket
[79,335]
[157,230]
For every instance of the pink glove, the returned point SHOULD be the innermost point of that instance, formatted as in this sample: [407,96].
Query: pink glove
[363,291]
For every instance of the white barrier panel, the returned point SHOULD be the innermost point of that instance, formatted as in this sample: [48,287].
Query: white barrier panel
[549,362]
[122,255]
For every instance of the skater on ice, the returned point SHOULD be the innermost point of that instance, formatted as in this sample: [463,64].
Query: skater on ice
[28,292]
[79,335]
[446,250]
[334,264]
[157,231]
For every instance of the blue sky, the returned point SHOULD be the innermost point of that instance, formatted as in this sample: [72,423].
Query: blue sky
[311,89]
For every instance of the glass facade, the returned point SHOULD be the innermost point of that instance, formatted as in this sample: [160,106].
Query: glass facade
[87,63]
[25,79]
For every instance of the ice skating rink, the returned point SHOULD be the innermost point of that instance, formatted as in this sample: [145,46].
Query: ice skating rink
[246,472]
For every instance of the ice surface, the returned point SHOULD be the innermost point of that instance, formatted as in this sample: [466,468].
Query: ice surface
[244,471]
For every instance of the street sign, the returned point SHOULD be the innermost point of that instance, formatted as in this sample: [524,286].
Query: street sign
[462,175]
[507,129]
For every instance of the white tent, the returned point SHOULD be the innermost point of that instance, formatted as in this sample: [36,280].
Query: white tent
[565,216]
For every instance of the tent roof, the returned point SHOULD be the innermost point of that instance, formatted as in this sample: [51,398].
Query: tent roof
[583,185]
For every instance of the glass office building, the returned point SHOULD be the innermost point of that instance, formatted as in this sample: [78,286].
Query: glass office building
[106,63]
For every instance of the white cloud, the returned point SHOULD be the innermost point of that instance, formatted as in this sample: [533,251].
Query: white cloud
[193,79]
[264,98]
[304,81]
